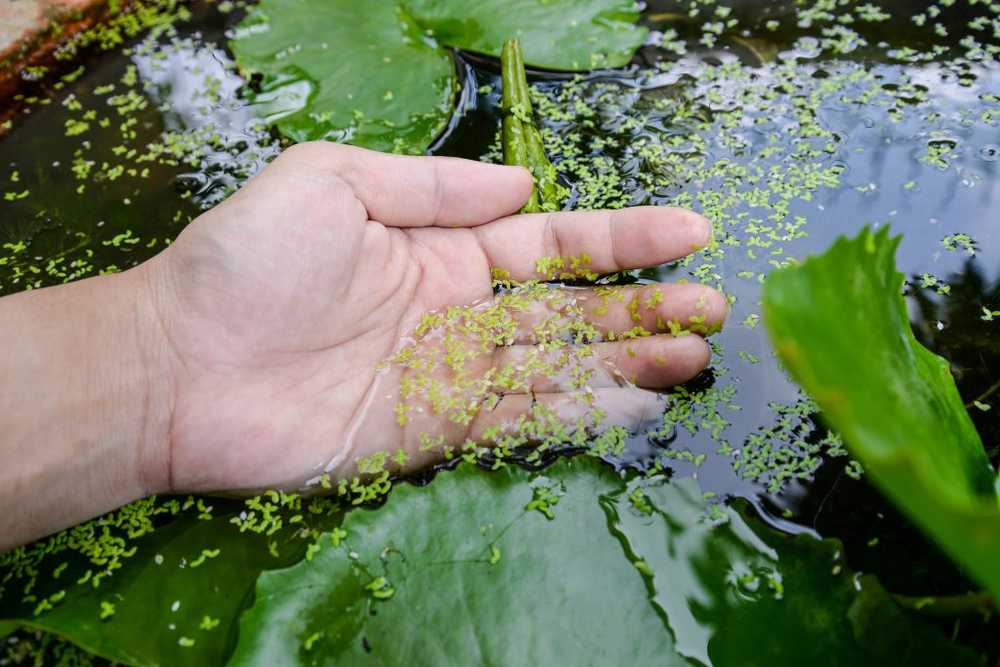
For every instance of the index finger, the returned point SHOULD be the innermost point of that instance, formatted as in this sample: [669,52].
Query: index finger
[615,240]
[408,191]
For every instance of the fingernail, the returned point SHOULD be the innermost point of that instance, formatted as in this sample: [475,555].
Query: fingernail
[703,231]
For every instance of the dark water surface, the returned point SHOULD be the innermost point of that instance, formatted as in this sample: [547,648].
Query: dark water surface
[924,162]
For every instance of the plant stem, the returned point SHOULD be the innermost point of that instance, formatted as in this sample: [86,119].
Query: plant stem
[949,606]
[986,394]
[522,142]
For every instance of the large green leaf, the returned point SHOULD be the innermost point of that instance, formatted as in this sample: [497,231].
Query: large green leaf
[153,609]
[742,594]
[560,593]
[839,322]
[467,571]
[572,35]
[376,73]
[358,72]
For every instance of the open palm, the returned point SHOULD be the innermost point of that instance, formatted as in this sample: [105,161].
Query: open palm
[278,306]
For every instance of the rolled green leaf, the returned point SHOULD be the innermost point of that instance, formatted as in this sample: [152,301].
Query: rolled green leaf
[839,323]
[522,142]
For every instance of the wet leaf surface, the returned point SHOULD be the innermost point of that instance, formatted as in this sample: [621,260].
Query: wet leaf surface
[378,74]
[840,324]
[175,601]
[570,35]
[468,571]
[355,72]
[540,602]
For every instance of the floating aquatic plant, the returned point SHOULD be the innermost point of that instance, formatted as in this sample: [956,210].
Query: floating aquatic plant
[378,75]
[522,143]
[771,139]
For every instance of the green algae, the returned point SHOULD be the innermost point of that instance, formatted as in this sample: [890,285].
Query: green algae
[791,450]
[448,368]
[107,156]
[594,128]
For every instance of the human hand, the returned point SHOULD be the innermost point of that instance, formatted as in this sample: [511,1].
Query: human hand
[276,308]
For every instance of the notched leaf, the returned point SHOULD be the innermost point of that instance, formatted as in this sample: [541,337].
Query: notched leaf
[377,74]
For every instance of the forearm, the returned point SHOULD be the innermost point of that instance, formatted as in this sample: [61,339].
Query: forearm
[83,415]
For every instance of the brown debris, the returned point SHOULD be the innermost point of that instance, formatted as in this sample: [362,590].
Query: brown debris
[32,30]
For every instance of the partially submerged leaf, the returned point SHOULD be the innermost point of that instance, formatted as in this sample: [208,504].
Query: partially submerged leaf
[560,593]
[839,322]
[467,571]
[176,601]
[377,74]
[735,592]
[356,72]
[522,142]
[571,35]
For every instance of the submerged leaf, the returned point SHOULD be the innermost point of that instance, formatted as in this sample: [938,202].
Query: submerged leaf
[540,603]
[175,601]
[664,586]
[839,322]
[735,592]
[377,74]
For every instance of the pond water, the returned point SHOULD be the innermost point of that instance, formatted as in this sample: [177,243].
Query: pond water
[784,139]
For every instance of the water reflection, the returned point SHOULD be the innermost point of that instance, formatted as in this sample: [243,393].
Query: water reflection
[195,85]
[968,340]
[733,592]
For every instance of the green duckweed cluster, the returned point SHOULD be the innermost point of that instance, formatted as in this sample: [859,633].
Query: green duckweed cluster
[681,133]
[450,367]
[104,544]
[109,153]
[40,648]
[791,450]
[124,21]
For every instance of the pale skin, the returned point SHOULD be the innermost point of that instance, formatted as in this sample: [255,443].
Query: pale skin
[241,357]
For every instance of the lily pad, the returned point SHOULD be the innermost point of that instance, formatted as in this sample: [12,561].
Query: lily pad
[174,600]
[839,322]
[377,74]
[356,72]
[735,592]
[461,572]
[519,568]
[570,35]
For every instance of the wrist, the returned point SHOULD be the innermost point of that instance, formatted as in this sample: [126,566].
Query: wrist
[86,414]
[152,377]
